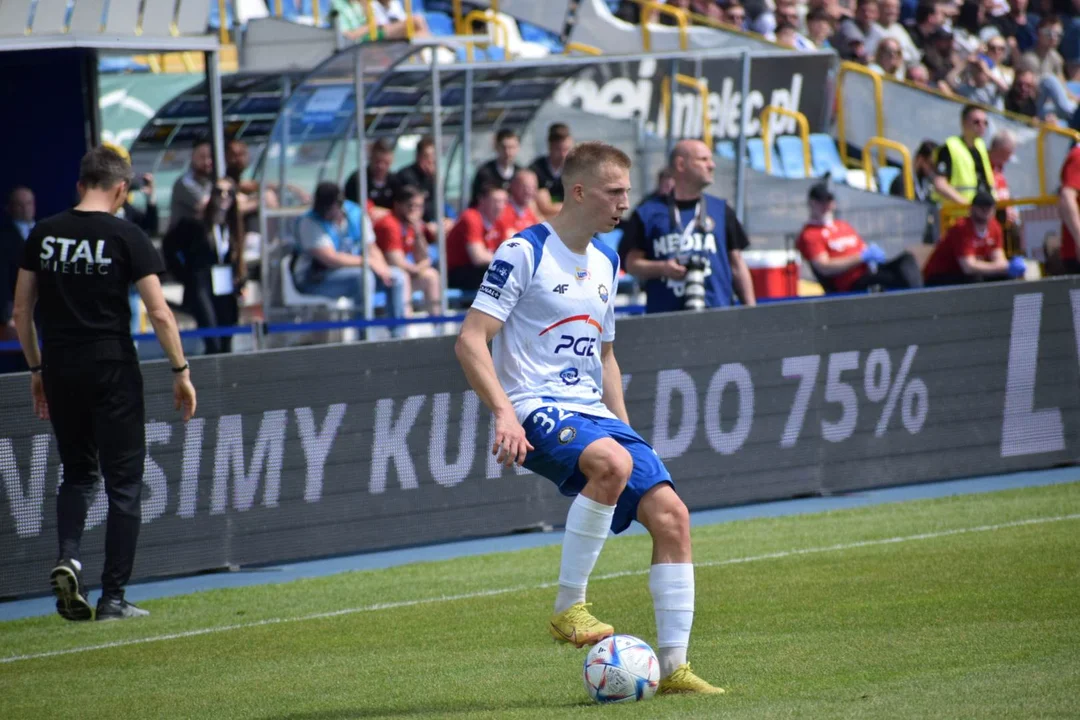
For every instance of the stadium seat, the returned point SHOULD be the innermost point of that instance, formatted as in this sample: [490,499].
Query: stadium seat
[532,33]
[726,149]
[885,176]
[790,150]
[294,298]
[756,148]
[439,23]
[826,158]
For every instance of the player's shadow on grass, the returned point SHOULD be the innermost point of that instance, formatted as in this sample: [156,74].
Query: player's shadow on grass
[435,710]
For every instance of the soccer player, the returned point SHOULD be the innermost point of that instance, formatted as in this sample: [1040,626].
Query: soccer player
[552,382]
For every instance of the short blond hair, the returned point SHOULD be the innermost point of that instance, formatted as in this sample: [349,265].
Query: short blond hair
[589,156]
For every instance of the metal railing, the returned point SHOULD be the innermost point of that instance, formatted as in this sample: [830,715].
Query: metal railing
[905,155]
[581,48]
[702,87]
[1040,149]
[804,134]
[487,16]
[879,102]
[682,20]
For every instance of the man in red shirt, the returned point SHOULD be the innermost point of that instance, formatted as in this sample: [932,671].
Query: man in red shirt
[401,237]
[973,249]
[1069,210]
[519,210]
[841,261]
[471,245]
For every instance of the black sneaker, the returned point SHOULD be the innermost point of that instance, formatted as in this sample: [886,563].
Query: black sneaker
[118,609]
[71,602]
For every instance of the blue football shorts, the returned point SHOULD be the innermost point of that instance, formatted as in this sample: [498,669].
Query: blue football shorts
[560,436]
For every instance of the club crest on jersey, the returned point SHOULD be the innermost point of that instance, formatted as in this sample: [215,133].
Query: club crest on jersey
[602,289]
[582,273]
[567,434]
[570,376]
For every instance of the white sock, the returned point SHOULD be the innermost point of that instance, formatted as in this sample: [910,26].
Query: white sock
[672,588]
[587,526]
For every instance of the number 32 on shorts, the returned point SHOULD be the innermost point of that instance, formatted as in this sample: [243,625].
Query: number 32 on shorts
[549,418]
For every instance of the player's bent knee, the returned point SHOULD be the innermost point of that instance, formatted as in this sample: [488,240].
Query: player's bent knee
[607,466]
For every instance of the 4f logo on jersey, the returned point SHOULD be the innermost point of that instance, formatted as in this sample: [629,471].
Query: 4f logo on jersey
[560,289]
[582,347]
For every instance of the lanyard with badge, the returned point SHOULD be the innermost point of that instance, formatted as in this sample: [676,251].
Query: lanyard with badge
[700,222]
[221,275]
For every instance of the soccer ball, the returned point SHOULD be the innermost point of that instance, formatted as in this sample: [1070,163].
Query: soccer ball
[621,668]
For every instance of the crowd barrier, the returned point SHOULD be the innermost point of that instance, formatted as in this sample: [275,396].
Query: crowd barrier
[349,448]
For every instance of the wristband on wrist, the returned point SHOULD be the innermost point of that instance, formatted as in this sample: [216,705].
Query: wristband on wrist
[182,368]
[36,369]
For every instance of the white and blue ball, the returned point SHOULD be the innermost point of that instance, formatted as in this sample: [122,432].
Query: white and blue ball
[621,668]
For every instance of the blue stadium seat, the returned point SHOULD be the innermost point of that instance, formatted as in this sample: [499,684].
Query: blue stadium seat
[885,176]
[439,23]
[532,33]
[726,149]
[492,53]
[756,148]
[790,150]
[826,158]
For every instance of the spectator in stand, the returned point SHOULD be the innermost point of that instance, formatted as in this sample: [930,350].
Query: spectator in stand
[996,57]
[972,250]
[400,236]
[1053,96]
[499,171]
[381,184]
[929,18]
[207,256]
[940,59]
[328,261]
[978,86]
[819,28]
[712,10]
[889,11]
[519,213]
[962,163]
[788,20]
[735,16]
[922,173]
[191,191]
[889,59]
[421,174]
[841,260]
[390,20]
[1021,96]
[1069,210]
[1018,27]
[786,36]
[548,169]
[668,236]
[473,241]
[15,227]
[863,28]
[919,76]
[967,28]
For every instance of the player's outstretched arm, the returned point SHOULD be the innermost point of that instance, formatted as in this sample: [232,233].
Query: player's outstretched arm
[612,378]
[475,358]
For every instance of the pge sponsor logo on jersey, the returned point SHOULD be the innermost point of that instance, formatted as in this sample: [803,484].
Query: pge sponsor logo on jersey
[498,273]
[570,376]
[582,346]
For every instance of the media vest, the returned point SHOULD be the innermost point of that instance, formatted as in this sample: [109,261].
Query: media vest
[679,234]
[965,177]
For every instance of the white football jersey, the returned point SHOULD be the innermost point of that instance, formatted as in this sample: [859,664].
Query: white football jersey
[557,308]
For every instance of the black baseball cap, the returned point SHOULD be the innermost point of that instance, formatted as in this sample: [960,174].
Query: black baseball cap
[983,199]
[821,193]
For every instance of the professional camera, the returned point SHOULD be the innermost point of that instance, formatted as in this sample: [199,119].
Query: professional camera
[694,288]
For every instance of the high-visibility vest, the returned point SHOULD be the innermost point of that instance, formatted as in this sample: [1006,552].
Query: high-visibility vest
[964,178]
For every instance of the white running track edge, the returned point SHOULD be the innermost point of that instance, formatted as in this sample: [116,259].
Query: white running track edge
[540,586]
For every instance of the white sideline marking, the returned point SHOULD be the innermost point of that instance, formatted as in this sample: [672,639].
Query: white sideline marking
[539,586]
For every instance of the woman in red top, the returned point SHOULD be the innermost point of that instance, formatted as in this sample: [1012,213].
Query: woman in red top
[401,237]
[972,250]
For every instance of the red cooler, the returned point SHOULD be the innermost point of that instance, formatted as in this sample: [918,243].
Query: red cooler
[775,272]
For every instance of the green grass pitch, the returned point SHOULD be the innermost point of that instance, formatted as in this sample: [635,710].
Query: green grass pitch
[964,607]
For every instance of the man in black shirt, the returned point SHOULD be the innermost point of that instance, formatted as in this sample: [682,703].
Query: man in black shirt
[421,174]
[548,169]
[380,182]
[78,266]
[500,171]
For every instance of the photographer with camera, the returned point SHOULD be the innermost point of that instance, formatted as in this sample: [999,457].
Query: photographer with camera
[687,246]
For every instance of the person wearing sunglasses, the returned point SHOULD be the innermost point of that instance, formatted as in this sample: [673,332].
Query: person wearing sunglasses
[962,165]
